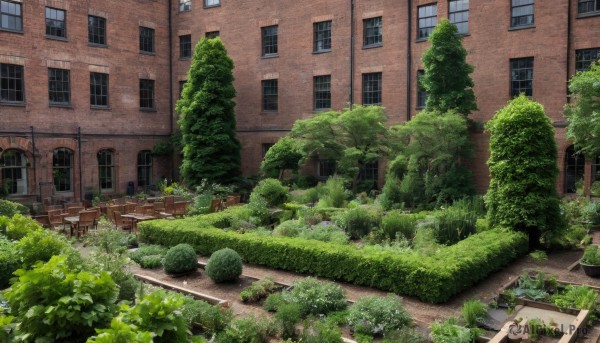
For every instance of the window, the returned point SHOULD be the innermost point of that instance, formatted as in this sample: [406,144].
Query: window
[588,6]
[56,23]
[574,170]
[185,5]
[11,83]
[270,97]
[522,13]
[370,171]
[147,94]
[265,148]
[212,34]
[326,168]
[144,168]
[421,93]
[427,20]
[521,75]
[106,170]
[185,46]
[322,92]
[458,13]
[11,17]
[181,86]
[372,89]
[62,169]
[269,40]
[373,32]
[322,36]
[584,58]
[146,39]
[98,90]
[59,90]
[13,165]
[96,30]
[212,3]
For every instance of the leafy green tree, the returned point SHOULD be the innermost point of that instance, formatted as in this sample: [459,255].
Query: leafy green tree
[447,77]
[351,138]
[583,114]
[211,150]
[284,155]
[522,193]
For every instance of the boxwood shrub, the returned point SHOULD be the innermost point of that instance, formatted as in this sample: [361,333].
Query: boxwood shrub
[433,278]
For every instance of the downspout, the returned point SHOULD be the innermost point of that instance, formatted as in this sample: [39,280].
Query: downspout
[569,29]
[80,171]
[171,110]
[34,161]
[351,97]
[409,63]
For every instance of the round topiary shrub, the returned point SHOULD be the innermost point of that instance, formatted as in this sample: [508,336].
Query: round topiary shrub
[224,265]
[181,259]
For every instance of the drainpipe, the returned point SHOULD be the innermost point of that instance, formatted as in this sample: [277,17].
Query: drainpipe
[569,42]
[34,161]
[409,62]
[171,114]
[351,97]
[80,171]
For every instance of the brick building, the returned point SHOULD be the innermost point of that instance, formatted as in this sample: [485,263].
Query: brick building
[291,60]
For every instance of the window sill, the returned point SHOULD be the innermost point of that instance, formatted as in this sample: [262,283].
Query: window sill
[184,11]
[588,15]
[321,110]
[524,27]
[318,52]
[269,112]
[419,40]
[419,107]
[12,31]
[95,45]
[57,38]
[147,53]
[13,104]
[269,56]
[185,58]
[372,46]
[61,105]
[148,110]
[213,6]
[100,108]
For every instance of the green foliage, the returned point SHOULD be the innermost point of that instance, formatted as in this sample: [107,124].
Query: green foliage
[591,255]
[357,222]
[447,81]
[147,250]
[181,259]
[120,332]
[272,191]
[151,261]
[315,297]
[334,193]
[433,278]
[428,162]
[224,265]
[473,311]
[591,212]
[522,193]
[40,245]
[109,240]
[374,316]
[405,335]
[285,154]
[579,297]
[9,208]
[533,288]
[324,233]
[453,224]
[582,114]
[538,255]
[53,303]
[391,194]
[18,226]
[273,302]
[206,117]
[397,224]
[289,228]
[210,319]
[286,318]
[9,262]
[450,332]
[318,331]
[246,330]
[258,290]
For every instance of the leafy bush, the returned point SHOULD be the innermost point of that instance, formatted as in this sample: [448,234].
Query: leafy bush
[110,240]
[118,267]
[579,297]
[312,216]
[316,297]
[473,312]
[335,193]
[273,302]
[396,223]
[287,316]
[317,331]
[272,191]
[43,299]
[181,259]
[453,224]
[9,208]
[289,228]
[591,212]
[258,290]
[210,319]
[147,250]
[224,265]
[246,330]
[40,245]
[18,226]
[450,332]
[9,262]
[151,261]
[405,335]
[372,315]
[357,222]
[391,194]
[591,255]
[325,233]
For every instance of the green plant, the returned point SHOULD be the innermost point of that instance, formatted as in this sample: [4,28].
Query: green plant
[43,299]
[109,240]
[286,153]
[453,224]
[391,194]
[334,193]
[315,297]
[374,316]
[272,191]
[538,256]
[591,255]
[151,261]
[325,233]
[147,250]
[40,245]
[532,287]
[289,228]
[450,332]
[591,212]
[18,226]
[357,222]
[286,317]
[181,259]
[210,319]
[396,224]
[9,208]
[273,302]
[9,262]
[258,290]
[318,331]
[536,328]
[246,330]
[224,265]
[579,297]
[404,335]
[473,311]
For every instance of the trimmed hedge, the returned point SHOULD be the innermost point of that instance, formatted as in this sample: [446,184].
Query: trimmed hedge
[431,278]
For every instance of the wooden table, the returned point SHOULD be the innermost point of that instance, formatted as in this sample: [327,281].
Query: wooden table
[73,221]
[135,218]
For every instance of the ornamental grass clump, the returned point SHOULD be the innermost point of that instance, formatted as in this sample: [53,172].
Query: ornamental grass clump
[181,259]
[374,316]
[224,265]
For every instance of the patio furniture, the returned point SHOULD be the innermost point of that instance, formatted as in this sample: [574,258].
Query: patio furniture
[180,208]
[55,218]
[122,223]
[216,205]
[74,210]
[43,220]
[87,219]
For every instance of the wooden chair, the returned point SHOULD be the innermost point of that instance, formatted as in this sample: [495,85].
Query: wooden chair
[87,220]
[233,200]
[43,220]
[55,218]
[216,205]
[120,201]
[140,210]
[74,210]
[122,223]
[180,208]
[158,207]
[72,204]
[98,215]
[53,207]
[149,211]
[130,207]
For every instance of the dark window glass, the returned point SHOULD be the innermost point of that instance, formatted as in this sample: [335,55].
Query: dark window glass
[372,89]
[421,93]
[212,3]
[588,6]
[146,39]
[185,46]
[370,171]
[574,170]
[13,176]
[584,58]
[270,95]
[373,31]
[212,34]
[99,89]
[96,30]
[56,22]
[458,13]
[269,40]
[106,170]
[265,148]
[521,76]
[62,169]
[144,165]
[522,13]
[11,17]
[185,5]
[322,92]
[181,86]
[146,94]
[322,36]
[59,90]
[326,168]
[427,20]
[11,83]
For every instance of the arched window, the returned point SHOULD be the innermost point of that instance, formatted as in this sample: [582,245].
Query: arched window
[144,165]
[106,170]
[62,169]
[13,164]
[574,170]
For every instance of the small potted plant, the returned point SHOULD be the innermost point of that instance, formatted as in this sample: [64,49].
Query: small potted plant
[590,262]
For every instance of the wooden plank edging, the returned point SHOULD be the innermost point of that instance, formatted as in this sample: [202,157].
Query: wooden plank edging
[571,335]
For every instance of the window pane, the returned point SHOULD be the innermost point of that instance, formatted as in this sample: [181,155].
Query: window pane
[270,95]
[269,40]
[426,21]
